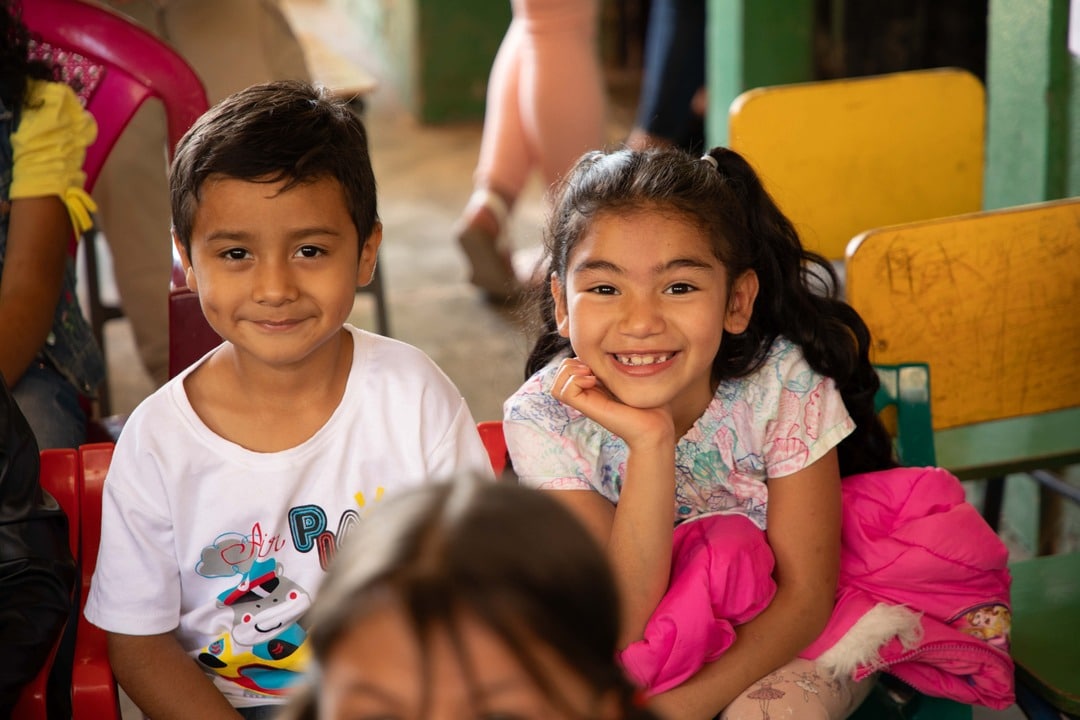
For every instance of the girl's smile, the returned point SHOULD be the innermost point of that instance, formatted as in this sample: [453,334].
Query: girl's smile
[645,305]
[636,360]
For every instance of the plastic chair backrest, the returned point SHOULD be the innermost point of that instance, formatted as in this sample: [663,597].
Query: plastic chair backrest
[59,476]
[134,64]
[94,693]
[190,335]
[94,462]
[987,300]
[491,433]
[843,156]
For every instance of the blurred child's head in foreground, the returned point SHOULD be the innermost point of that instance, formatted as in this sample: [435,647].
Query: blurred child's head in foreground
[466,600]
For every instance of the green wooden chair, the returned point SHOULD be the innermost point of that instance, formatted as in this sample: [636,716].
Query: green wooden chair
[986,303]
[1045,590]
[905,390]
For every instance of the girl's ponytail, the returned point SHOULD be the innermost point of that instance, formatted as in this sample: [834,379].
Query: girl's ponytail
[797,298]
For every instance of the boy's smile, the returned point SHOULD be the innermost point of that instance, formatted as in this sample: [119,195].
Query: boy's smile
[645,306]
[276,271]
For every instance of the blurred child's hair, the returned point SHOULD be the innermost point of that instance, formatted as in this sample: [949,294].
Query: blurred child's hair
[509,556]
[722,196]
[284,130]
[16,67]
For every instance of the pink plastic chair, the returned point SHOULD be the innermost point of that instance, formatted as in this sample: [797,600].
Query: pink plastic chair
[114,65]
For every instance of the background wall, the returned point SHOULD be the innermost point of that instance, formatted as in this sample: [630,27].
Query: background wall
[437,53]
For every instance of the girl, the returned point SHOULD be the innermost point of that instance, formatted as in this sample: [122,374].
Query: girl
[694,360]
[48,356]
[468,600]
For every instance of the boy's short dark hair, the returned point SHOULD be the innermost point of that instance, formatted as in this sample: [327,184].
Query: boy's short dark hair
[282,130]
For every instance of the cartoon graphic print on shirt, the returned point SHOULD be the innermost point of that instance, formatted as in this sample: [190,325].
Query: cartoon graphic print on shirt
[264,651]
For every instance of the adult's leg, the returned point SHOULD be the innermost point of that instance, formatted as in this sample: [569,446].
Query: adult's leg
[502,168]
[50,405]
[545,107]
[208,34]
[674,70]
[799,690]
[133,204]
[503,165]
[132,191]
[562,91]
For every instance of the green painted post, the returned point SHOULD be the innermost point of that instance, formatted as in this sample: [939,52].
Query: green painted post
[438,54]
[1033,104]
[456,44]
[753,43]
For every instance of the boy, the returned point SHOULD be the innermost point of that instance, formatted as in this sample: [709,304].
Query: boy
[233,485]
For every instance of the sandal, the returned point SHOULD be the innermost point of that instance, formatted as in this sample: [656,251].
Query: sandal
[491,268]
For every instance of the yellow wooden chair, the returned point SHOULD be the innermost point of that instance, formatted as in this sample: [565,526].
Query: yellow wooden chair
[975,318]
[842,156]
[991,301]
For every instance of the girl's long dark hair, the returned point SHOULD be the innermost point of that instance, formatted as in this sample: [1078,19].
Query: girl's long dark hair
[723,196]
[16,67]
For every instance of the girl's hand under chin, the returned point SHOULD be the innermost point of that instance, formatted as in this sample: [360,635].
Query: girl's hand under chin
[577,386]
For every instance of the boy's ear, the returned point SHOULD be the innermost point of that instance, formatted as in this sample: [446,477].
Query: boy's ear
[562,313]
[369,256]
[185,262]
[740,305]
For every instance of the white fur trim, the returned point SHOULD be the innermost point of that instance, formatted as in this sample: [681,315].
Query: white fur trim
[860,645]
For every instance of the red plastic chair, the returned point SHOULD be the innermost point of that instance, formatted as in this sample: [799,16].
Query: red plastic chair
[115,66]
[94,693]
[58,475]
[190,335]
[491,434]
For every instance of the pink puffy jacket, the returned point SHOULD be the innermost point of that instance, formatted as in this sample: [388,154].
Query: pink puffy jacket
[923,593]
[721,576]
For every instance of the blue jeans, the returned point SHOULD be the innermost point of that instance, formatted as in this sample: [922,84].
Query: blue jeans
[51,406]
[674,69]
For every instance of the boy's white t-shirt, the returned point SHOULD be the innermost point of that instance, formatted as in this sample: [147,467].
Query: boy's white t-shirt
[227,546]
